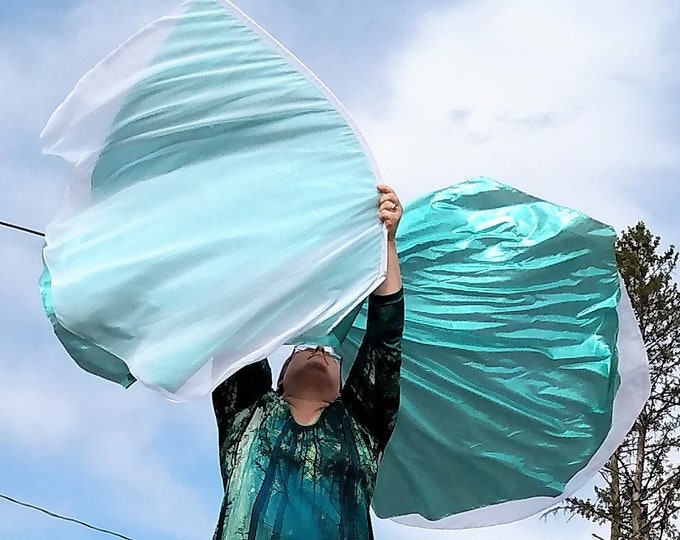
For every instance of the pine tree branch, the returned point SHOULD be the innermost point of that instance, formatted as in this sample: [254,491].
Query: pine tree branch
[585,509]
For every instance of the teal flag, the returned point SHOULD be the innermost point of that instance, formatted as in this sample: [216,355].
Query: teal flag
[523,365]
[223,204]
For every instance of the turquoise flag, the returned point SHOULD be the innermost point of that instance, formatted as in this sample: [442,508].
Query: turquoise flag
[223,203]
[523,365]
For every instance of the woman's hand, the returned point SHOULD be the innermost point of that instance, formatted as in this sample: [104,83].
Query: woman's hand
[390,210]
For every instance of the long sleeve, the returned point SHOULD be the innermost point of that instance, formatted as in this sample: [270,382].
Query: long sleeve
[371,393]
[237,394]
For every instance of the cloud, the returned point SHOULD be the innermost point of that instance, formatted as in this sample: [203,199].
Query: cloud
[32,417]
[145,464]
[124,449]
[568,101]
[142,461]
[344,43]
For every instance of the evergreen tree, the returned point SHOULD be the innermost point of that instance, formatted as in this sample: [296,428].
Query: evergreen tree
[641,492]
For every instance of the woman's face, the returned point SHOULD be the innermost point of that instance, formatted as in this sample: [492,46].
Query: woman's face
[313,374]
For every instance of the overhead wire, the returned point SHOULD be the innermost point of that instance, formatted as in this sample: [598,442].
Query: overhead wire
[22,229]
[64,518]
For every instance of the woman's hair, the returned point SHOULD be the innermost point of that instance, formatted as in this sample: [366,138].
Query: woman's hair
[284,367]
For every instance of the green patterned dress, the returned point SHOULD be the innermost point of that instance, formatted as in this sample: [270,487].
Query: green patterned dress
[287,481]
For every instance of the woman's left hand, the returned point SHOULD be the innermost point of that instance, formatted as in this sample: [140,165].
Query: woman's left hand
[390,210]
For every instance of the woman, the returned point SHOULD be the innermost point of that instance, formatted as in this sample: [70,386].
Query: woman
[302,462]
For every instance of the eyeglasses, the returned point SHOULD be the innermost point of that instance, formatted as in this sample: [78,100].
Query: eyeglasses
[328,350]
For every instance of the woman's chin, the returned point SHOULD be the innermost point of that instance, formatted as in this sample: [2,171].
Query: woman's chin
[315,388]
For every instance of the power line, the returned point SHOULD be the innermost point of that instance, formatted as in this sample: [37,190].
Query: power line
[57,516]
[22,229]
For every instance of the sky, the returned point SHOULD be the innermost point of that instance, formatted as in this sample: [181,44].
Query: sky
[575,102]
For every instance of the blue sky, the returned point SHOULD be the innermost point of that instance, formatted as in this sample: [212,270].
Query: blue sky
[573,102]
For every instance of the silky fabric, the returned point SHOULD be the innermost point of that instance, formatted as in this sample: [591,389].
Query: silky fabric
[510,358]
[223,203]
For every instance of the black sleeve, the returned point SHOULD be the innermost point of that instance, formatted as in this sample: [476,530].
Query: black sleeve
[238,393]
[371,393]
